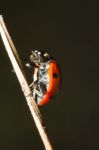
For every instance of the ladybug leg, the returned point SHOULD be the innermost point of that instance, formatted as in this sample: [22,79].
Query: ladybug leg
[34,89]
[37,92]
[32,86]
[31,65]
[28,65]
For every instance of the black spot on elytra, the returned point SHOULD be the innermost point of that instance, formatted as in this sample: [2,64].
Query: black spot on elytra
[55,75]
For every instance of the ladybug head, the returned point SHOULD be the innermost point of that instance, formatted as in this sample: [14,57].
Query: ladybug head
[39,57]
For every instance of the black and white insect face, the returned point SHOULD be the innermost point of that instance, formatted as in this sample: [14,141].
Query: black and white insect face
[34,57]
[39,57]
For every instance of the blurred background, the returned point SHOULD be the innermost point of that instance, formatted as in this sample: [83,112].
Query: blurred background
[69,31]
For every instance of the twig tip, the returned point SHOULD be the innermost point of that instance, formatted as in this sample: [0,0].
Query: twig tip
[1,17]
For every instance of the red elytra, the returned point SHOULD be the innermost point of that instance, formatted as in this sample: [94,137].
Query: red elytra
[54,85]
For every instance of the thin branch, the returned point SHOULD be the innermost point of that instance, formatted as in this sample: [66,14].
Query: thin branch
[16,63]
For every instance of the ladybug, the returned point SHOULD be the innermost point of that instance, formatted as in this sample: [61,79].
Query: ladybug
[46,76]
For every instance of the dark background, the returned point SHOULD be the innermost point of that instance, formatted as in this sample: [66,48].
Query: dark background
[69,31]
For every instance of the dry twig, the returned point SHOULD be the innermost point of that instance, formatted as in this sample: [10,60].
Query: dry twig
[16,63]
